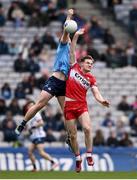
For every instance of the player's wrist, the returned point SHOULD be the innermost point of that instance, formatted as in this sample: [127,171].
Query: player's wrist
[101,101]
[69,17]
[76,34]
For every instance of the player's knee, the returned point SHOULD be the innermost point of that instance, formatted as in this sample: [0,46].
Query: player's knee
[73,135]
[30,153]
[39,105]
[41,152]
[87,130]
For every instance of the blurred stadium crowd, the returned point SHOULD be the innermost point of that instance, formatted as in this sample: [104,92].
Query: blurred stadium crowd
[29,35]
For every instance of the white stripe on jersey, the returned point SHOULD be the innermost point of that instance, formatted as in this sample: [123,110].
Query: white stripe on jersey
[80,79]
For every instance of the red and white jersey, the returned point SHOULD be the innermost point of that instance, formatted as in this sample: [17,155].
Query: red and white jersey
[78,83]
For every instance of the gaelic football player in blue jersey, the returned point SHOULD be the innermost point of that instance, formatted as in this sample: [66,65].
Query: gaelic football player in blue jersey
[56,84]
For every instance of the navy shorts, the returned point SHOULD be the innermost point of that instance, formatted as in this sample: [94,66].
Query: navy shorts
[55,86]
[39,140]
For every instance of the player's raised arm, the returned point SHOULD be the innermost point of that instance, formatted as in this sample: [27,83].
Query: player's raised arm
[65,36]
[73,45]
[99,97]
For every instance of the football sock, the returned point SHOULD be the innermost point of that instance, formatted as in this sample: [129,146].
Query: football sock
[23,123]
[34,166]
[88,154]
[78,157]
[52,162]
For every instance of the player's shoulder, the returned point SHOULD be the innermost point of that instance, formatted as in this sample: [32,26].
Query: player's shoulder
[75,65]
[91,77]
[63,47]
[63,44]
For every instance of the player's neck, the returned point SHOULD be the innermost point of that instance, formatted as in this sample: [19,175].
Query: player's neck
[84,71]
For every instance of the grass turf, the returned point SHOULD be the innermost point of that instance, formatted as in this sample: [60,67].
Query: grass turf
[66,175]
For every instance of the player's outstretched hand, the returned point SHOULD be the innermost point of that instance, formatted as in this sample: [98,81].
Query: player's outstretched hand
[105,103]
[80,31]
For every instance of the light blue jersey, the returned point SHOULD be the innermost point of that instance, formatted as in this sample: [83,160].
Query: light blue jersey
[62,59]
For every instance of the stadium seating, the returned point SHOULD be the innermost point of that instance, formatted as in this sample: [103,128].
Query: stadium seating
[113,83]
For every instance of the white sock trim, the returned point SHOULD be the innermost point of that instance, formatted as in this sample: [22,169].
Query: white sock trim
[78,158]
[88,154]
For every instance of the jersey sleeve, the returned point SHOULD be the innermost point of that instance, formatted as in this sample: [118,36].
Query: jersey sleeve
[75,65]
[61,44]
[62,48]
[93,82]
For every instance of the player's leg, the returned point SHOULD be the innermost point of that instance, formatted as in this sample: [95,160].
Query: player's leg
[31,156]
[85,122]
[41,102]
[72,129]
[46,156]
[86,125]
[61,100]
[41,151]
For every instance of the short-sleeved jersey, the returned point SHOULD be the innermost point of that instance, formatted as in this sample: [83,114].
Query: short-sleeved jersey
[62,58]
[37,132]
[78,83]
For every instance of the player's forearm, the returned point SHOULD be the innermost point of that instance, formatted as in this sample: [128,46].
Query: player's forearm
[99,98]
[65,36]
[97,95]
[69,17]
[73,48]
[74,42]
[75,38]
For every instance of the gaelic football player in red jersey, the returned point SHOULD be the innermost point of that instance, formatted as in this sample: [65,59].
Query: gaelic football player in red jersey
[79,81]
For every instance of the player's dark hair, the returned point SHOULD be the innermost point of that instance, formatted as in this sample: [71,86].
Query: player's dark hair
[86,57]
[25,108]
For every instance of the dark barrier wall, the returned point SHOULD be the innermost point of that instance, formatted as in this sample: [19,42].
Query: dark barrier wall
[106,159]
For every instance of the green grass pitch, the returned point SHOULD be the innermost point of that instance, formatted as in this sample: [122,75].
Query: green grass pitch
[66,175]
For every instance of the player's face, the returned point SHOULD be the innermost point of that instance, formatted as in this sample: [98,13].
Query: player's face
[87,65]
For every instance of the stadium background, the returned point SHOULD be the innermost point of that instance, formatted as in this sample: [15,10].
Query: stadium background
[29,34]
